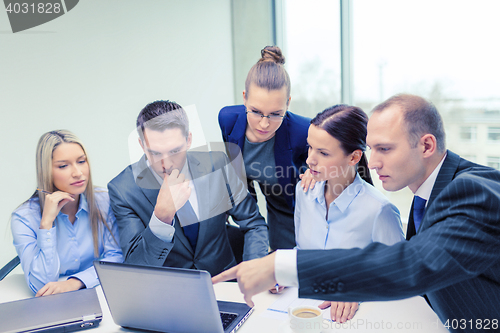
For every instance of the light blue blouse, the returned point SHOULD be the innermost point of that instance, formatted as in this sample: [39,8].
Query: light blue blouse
[358,216]
[66,249]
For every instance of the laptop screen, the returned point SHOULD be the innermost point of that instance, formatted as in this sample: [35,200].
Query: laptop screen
[64,312]
[162,298]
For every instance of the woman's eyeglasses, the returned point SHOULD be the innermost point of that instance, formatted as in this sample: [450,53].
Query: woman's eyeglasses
[258,116]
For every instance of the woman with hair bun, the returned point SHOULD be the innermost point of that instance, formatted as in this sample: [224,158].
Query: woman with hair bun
[344,210]
[272,141]
[67,223]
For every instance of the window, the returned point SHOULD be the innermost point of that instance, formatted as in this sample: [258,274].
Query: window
[494,134]
[468,133]
[493,161]
[312,51]
[425,47]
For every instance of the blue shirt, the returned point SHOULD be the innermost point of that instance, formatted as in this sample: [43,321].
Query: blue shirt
[66,249]
[358,216]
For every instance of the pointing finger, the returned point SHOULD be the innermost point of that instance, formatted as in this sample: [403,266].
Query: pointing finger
[226,275]
[324,305]
[248,300]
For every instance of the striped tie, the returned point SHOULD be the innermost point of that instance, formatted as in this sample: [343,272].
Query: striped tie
[418,211]
[189,222]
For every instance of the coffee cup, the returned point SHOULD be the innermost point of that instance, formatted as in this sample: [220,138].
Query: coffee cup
[305,319]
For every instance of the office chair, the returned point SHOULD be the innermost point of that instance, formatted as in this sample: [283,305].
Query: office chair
[236,240]
[9,267]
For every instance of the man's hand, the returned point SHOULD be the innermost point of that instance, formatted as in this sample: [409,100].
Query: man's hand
[174,193]
[254,276]
[340,311]
[276,289]
[60,287]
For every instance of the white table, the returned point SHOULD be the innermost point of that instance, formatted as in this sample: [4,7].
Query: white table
[408,315]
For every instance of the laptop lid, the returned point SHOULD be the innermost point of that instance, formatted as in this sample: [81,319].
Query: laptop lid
[66,312]
[165,299]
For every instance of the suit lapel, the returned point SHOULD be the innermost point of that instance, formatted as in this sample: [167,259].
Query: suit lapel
[410,229]
[201,180]
[146,181]
[180,237]
[237,135]
[150,187]
[282,158]
[445,176]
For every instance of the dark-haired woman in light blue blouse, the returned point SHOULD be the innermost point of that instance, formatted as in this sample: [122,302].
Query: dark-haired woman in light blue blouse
[343,210]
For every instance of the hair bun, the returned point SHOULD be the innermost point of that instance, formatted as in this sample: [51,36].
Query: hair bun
[272,53]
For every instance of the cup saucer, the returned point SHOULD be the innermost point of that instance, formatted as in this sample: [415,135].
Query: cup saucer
[285,328]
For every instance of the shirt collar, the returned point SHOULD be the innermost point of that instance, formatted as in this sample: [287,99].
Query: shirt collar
[424,191]
[82,205]
[185,171]
[344,199]
[318,192]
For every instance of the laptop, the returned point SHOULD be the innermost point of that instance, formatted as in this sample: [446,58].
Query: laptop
[66,312]
[167,299]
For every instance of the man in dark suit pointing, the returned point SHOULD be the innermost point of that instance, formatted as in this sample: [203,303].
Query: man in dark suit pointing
[452,255]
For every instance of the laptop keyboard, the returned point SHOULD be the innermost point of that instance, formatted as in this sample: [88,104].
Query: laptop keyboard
[227,318]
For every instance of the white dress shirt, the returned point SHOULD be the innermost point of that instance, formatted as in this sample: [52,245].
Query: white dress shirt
[425,190]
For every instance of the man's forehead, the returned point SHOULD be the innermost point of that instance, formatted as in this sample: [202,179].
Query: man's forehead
[170,137]
[385,126]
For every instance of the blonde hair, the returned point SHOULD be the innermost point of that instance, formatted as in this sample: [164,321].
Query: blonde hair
[46,145]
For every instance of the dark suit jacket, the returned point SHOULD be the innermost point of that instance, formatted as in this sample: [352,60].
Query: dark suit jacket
[290,154]
[453,259]
[133,195]
[290,145]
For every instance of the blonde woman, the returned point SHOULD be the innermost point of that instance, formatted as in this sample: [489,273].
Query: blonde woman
[66,224]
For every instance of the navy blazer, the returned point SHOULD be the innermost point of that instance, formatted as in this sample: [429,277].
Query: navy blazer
[453,258]
[290,145]
[133,195]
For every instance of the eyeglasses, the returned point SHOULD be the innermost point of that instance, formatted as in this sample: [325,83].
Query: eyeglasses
[258,116]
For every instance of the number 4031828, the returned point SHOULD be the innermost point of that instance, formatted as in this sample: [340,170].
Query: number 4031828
[40,8]
[472,324]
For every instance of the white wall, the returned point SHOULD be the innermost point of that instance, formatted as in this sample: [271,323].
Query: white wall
[93,69]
